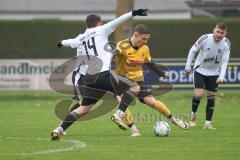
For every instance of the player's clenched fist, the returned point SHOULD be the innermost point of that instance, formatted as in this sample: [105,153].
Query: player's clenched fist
[140,12]
[59,44]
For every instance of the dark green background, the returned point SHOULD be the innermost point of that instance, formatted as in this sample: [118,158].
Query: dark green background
[169,38]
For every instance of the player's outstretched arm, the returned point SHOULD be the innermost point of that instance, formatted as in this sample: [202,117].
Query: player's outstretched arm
[152,65]
[112,25]
[73,43]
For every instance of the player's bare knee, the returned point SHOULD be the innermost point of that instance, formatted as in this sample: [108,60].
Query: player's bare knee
[118,98]
[82,110]
[135,89]
[149,100]
[198,93]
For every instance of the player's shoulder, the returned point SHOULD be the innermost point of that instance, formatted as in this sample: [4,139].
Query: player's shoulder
[98,28]
[92,31]
[145,48]
[227,42]
[102,29]
[124,43]
[79,36]
[127,41]
[203,38]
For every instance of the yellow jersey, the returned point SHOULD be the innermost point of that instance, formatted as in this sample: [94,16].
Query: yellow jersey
[129,60]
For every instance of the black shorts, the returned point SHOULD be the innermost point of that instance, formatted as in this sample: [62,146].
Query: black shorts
[73,81]
[145,90]
[92,88]
[205,82]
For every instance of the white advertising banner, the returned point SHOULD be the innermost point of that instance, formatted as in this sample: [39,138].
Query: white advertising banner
[34,74]
[29,74]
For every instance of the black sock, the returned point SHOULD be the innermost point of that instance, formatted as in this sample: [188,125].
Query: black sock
[127,98]
[195,103]
[210,107]
[74,107]
[169,117]
[69,120]
[130,125]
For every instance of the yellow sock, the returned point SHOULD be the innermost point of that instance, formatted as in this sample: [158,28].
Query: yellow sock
[128,117]
[158,105]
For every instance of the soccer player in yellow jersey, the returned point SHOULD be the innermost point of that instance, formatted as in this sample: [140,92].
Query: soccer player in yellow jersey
[130,56]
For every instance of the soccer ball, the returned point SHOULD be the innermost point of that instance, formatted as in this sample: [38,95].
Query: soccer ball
[161,129]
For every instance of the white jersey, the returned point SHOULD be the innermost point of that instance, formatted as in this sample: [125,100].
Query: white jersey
[94,43]
[212,56]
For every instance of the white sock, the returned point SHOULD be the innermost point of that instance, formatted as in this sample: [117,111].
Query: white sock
[120,113]
[172,118]
[134,128]
[208,122]
[60,129]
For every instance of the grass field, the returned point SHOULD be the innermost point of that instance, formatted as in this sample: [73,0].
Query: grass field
[27,119]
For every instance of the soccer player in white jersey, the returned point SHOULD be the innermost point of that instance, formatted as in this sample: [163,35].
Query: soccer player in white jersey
[96,77]
[209,69]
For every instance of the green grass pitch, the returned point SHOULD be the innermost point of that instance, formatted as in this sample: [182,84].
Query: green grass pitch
[27,118]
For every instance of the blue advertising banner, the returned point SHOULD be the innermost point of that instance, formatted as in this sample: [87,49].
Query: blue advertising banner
[180,80]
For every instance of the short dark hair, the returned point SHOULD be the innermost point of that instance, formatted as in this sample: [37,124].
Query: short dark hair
[92,20]
[142,29]
[222,25]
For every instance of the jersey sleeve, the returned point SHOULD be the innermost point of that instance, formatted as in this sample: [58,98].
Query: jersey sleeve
[122,46]
[225,59]
[73,43]
[115,58]
[112,25]
[148,57]
[194,49]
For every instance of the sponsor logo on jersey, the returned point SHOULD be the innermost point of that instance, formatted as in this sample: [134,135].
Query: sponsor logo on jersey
[135,62]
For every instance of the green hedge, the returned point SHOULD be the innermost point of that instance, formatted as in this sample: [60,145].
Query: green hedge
[169,38]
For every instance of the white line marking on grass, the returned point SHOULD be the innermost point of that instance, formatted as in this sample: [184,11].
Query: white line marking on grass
[77,145]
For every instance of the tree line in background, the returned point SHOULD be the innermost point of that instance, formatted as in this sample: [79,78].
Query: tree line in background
[169,38]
